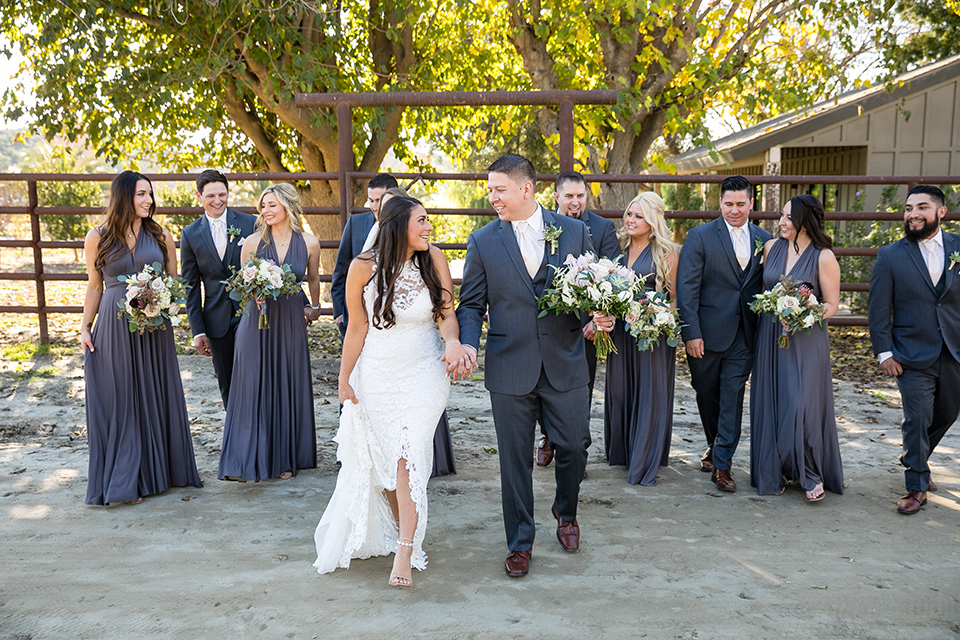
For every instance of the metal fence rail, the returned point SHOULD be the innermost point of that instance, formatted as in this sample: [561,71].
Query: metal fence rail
[40,276]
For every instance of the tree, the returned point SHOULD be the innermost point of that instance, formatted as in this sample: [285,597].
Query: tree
[932,32]
[209,82]
[674,59]
[61,158]
[194,83]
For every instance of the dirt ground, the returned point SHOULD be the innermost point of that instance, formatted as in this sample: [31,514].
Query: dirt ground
[678,560]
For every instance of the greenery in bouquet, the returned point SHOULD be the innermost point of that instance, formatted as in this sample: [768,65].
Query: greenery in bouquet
[152,298]
[794,306]
[651,318]
[590,284]
[257,280]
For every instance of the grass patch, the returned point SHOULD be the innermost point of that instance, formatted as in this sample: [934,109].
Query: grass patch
[31,375]
[23,351]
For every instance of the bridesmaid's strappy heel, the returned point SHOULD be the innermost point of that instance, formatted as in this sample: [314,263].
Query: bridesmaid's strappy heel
[397,580]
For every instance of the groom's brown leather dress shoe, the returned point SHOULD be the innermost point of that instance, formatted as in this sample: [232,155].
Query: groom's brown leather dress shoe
[931,486]
[706,460]
[568,533]
[911,503]
[517,564]
[544,452]
[723,480]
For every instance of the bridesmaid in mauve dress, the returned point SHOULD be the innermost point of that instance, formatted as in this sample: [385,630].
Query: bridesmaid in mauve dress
[269,430]
[638,403]
[137,426]
[793,432]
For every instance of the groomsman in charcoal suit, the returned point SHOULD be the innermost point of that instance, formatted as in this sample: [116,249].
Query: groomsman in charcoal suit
[351,244]
[209,246]
[915,330]
[533,365]
[719,273]
[571,197]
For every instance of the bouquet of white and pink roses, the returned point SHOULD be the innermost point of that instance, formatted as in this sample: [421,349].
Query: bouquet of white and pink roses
[588,283]
[152,297]
[651,318]
[259,279]
[793,304]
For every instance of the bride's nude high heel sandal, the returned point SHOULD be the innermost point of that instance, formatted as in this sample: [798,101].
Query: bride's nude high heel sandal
[398,580]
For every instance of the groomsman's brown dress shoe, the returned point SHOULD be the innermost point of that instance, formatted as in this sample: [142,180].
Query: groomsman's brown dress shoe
[706,460]
[911,503]
[517,564]
[568,534]
[724,480]
[931,486]
[544,452]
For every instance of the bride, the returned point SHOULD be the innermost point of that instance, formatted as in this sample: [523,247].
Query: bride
[393,387]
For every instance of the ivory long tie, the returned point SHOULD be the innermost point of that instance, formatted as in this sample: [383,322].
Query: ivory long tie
[528,248]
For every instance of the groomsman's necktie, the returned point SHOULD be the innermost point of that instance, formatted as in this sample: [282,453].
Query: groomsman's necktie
[528,248]
[934,263]
[740,246]
[219,236]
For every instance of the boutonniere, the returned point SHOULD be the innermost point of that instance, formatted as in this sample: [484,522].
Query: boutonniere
[757,246]
[550,235]
[954,258]
[233,232]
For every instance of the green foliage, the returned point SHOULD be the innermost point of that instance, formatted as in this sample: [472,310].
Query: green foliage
[198,83]
[177,196]
[682,197]
[65,159]
[24,351]
[934,34]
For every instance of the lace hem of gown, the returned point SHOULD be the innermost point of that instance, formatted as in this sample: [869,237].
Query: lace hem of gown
[358,522]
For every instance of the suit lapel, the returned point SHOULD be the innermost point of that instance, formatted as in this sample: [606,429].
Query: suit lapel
[553,257]
[513,250]
[723,235]
[231,252]
[752,236]
[206,237]
[949,246]
[914,250]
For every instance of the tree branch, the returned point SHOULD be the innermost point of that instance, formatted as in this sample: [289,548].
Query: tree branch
[250,124]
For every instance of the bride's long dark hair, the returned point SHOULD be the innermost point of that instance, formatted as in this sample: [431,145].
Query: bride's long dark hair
[390,250]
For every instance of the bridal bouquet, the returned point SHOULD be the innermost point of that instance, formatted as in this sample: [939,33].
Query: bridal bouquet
[259,279]
[588,283]
[651,318]
[793,304]
[152,297]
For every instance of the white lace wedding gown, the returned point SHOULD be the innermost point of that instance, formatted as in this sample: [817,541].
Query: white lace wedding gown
[402,388]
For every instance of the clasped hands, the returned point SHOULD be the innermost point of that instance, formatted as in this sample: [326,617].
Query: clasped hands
[460,359]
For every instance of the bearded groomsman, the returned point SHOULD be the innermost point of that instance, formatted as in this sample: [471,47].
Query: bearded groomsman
[718,275]
[915,330]
[209,246]
[534,365]
[570,194]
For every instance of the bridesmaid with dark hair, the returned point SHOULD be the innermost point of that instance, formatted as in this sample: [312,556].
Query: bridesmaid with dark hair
[793,431]
[137,427]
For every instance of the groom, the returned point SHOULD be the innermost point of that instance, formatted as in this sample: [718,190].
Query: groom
[532,364]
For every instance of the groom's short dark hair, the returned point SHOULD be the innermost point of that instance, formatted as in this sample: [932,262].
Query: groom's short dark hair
[517,167]
[208,176]
[928,189]
[736,183]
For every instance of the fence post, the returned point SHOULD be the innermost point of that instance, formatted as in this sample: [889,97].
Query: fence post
[38,261]
[565,146]
[345,159]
